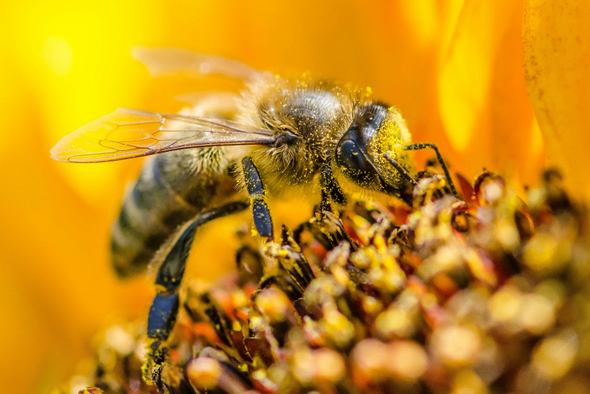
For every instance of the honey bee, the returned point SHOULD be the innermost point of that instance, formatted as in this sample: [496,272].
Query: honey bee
[279,136]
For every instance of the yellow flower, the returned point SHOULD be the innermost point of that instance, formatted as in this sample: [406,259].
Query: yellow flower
[453,67]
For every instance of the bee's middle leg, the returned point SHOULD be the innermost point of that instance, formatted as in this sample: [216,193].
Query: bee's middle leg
[257,194]
[164,309]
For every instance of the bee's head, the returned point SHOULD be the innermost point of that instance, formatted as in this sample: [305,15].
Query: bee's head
[376,129]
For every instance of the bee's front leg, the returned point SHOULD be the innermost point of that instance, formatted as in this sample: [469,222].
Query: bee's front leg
[257,194]
[440,161]
[331,190]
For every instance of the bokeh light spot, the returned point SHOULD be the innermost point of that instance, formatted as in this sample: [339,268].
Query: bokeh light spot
[57,55]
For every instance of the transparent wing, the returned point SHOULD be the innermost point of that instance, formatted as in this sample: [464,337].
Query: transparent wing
[172,61]
[128,133]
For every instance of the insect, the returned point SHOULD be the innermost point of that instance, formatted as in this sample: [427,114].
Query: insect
[279,136]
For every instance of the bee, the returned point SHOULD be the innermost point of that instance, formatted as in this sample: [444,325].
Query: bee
[278,137]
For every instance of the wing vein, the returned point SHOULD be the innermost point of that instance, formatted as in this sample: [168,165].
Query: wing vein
[131,133]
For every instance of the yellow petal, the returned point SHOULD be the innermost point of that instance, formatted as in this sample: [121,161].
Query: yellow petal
[557,63]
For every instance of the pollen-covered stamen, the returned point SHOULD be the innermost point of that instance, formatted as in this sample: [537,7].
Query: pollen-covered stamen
[418,289]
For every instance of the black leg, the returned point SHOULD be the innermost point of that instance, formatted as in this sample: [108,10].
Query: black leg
[325,205]
[440,160]
[331,191]
[162,315]
[164,309]
[330,187]
[257,193]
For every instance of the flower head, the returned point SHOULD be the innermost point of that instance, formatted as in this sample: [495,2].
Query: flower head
[446,296]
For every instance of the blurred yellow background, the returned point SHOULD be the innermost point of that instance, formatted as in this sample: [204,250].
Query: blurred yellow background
[454,68]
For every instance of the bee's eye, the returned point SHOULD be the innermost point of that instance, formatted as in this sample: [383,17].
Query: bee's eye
[350,156]
[352,159]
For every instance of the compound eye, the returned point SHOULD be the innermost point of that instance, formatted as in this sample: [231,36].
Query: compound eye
[354,163]
[350,157]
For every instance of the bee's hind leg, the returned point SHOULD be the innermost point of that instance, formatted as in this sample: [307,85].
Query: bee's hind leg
[164,309]
[257,193]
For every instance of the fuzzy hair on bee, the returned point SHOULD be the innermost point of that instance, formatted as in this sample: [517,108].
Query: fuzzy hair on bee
[310,115]
[280,136]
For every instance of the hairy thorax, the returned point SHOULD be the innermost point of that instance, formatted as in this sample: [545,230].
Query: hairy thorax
[316,114]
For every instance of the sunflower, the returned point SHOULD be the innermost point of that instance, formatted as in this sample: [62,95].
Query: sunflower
[455,68]
[448,296]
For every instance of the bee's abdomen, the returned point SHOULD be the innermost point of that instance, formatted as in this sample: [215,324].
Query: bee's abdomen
[167,194]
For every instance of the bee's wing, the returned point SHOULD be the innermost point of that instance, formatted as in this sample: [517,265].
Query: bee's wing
[172,61]
[128,133]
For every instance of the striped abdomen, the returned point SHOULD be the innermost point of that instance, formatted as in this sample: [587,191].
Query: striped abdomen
[172,188]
